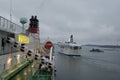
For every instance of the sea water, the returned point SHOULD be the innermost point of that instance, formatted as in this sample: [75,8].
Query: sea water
[90,65]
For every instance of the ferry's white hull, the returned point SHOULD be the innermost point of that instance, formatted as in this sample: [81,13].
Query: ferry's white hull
[70,52]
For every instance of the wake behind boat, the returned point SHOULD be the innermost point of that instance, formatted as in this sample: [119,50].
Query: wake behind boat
[70,48]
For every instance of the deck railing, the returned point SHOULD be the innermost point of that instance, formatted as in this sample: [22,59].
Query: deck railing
[7,25]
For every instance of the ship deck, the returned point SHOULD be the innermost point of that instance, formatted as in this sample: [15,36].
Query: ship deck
[42,75]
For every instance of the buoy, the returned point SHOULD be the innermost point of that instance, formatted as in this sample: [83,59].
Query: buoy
[48,45]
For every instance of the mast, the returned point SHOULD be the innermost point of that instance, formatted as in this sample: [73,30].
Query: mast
[11,10]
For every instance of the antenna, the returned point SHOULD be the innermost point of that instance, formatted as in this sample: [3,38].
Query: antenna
[10,10]
[40,7]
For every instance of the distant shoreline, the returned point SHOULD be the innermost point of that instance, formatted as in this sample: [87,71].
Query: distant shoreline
[105,46]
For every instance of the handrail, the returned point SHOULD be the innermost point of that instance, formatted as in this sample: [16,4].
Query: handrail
[51,53]
[7,25]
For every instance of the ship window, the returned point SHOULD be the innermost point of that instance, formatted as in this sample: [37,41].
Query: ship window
[76,47]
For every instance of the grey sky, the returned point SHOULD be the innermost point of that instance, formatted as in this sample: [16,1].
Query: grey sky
[90,21]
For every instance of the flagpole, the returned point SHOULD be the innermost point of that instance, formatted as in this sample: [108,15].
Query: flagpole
[39,36]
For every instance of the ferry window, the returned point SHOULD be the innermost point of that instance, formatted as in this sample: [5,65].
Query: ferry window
[2,43]
[75,47]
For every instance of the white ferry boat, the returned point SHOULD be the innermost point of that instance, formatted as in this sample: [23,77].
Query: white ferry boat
[70,48]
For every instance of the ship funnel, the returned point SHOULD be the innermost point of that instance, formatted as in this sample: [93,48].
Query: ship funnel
[71,39]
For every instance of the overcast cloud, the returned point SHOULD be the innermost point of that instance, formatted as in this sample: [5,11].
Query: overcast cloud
[90,21]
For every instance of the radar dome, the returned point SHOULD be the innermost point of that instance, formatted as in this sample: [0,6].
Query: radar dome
[23,20]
